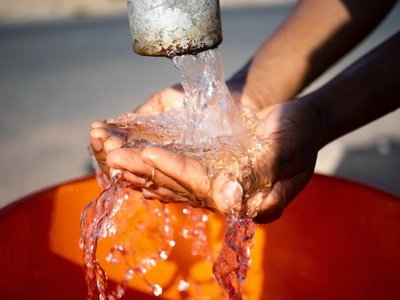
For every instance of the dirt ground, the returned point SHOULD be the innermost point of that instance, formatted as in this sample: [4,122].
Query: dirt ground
[17,11]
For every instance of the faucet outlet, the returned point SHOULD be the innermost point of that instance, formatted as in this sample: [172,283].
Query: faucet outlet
[174,27]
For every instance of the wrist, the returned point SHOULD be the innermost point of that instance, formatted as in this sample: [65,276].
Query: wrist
[316,102]
[268,80]
[252,87]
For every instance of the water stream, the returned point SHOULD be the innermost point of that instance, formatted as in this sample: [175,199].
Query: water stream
[208,128]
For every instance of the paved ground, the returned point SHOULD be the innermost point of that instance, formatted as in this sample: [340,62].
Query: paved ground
[57,77]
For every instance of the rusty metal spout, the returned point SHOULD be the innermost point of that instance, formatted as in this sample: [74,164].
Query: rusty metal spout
[174,27]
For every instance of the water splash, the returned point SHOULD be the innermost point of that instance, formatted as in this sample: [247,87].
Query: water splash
[230,268]
[210,111]
[194,229]
[143,236]
[93,223]
[208,128]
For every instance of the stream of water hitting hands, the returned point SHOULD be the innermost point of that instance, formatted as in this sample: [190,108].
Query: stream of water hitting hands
[209,116]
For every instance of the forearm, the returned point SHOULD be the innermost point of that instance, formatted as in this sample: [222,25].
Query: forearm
[367,90]
[314,37]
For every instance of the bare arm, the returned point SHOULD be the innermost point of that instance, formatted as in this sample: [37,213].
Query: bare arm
[367,90]
[318,33]
[315,36]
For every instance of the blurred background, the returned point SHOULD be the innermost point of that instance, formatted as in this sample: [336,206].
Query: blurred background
[66,63]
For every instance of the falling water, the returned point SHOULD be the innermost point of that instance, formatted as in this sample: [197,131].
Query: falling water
[210,111]
[208,128]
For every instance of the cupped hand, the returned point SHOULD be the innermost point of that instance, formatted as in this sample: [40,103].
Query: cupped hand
[105,137]
[282,168]
[170,177]
[293,133]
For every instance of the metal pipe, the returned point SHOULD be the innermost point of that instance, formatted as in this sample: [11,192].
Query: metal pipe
[174,27]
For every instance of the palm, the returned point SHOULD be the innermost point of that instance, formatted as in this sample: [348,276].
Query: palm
[289,156]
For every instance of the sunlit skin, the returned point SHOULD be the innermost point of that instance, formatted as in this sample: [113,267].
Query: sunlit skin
[295,130]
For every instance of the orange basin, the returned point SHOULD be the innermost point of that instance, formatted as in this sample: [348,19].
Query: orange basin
[337,240]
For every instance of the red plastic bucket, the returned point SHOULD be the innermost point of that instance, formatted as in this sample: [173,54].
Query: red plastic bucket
[337,240]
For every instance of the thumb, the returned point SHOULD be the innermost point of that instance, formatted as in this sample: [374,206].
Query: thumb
[226,192]
[283,191]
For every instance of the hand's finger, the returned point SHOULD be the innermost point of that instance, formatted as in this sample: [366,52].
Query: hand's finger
[104,137]
[97,137]
[188,173]
[101,131]
[160,184]
[100,159]
[153,191]
[98,134]
[143,174]
[226,192]
[150,195]
[129,159]
[112,143]
[98,124]
[282,193]
[165,194]
[272,205]
[137,181]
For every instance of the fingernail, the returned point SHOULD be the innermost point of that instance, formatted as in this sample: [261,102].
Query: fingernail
[254,204]
[231,196]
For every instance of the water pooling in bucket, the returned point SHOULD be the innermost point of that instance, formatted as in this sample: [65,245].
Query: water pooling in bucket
[209,129]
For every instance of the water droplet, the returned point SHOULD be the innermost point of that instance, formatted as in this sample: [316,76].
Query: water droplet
[183,285]
[111,259]
[157,290]
[204,218]
[129,274]
[163,255]
[185,233]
